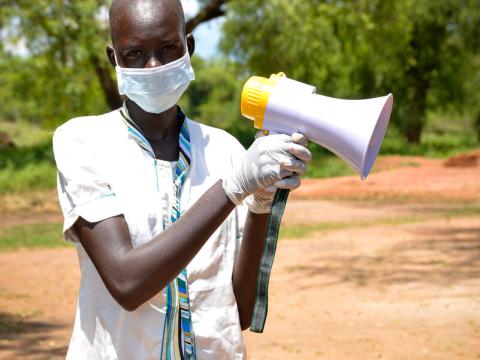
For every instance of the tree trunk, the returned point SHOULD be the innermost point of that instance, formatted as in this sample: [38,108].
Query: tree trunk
[426,44]
[107,82]
[418,106]
[414,132]
[477,125]
[419,85]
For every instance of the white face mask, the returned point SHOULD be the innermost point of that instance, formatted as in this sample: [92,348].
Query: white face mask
[156,89]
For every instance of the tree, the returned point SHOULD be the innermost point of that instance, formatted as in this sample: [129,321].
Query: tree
[420,50]
[64,42]
[65,70]
[210,9]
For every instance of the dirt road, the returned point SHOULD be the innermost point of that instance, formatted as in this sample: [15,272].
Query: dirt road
[387,292]
[370,279]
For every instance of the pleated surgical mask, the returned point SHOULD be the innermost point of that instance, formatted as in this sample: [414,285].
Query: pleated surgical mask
[156,89]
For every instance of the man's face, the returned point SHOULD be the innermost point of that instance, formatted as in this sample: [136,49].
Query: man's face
[148,34]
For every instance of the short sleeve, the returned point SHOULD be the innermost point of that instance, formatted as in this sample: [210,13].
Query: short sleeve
[82,180]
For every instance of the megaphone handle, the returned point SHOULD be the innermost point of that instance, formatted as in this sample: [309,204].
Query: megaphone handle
[261,302]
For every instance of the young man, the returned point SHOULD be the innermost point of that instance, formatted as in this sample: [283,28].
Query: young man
[169,259]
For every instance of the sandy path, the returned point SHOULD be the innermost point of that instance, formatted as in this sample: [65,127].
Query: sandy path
[403,292]
[406,288]
[299,212]
[400,292]
[37,302]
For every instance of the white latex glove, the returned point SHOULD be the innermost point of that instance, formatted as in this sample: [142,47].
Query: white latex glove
[272,160]
[260,202]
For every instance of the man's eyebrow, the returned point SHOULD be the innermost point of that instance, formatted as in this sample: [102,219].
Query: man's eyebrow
[171,40]
[131,43]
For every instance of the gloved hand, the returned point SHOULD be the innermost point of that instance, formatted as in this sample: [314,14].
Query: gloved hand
[260,202]
[272,162]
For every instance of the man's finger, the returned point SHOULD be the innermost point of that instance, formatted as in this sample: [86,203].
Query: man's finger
[294,165]
[301,152]
[300,139]
[290,183]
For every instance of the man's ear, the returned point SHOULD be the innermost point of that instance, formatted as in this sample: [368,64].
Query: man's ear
[191,44]
[111,55]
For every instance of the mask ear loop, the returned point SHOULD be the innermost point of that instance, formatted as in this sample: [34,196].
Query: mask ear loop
[118,71]
[187,51]
[115,56]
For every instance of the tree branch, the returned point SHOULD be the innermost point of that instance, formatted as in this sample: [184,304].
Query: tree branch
[210,11]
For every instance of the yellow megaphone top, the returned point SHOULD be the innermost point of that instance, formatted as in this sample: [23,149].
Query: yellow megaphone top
[255,96]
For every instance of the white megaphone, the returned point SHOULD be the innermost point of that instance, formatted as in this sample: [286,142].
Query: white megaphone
[351,129]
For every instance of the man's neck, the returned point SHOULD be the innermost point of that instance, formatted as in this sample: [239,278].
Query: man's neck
[155,127]
[161,130]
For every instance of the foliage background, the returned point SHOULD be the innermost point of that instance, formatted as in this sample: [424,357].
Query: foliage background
[427,53]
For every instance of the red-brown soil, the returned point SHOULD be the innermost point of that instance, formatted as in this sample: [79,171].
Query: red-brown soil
[396,277]
[402,179]
[464,160]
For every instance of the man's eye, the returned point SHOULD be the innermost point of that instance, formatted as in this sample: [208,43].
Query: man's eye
[134,54]
[170,48]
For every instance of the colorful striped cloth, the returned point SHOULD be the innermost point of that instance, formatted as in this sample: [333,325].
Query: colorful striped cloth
[178,340]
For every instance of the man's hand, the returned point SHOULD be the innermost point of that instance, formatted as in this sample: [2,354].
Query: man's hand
[261,200]
[272,162]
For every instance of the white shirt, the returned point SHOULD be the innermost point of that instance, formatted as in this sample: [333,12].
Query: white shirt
[102,173]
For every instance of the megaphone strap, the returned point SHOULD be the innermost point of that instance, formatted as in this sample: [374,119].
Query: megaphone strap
[261,301]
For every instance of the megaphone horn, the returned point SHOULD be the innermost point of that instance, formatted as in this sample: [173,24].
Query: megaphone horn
[352,129]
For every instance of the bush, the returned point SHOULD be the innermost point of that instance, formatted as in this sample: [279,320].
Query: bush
[33,176]
[27,168]
[18,158]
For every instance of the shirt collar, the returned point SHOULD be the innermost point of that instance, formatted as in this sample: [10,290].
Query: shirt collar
[135,133]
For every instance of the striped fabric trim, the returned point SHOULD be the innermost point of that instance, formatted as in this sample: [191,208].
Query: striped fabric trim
[135,132]
[178,340]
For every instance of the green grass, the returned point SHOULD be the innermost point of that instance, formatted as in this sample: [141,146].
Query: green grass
[41,236]
[305,230]
[328,166]
[38,176]
[300,231]
[432,145]
[444,135]
[31,237]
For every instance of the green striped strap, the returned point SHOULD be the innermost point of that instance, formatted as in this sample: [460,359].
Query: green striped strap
[261,302]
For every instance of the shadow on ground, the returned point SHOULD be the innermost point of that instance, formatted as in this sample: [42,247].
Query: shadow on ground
[21,337]
[438,256]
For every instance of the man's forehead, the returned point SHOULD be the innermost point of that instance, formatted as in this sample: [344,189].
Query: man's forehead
[144,12]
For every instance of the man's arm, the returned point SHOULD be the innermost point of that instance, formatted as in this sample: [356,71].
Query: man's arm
[135,275]
[247,264]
